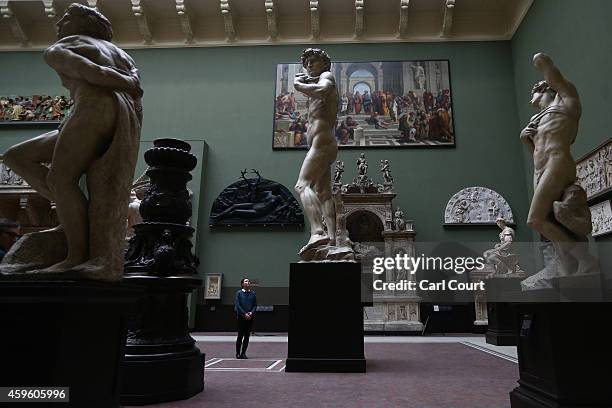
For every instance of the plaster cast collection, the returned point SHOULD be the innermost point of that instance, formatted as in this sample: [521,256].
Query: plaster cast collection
[90,240]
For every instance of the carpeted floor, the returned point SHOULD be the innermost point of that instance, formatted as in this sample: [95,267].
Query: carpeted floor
[450,375]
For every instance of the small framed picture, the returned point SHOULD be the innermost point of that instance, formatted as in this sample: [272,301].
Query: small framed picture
[212,286]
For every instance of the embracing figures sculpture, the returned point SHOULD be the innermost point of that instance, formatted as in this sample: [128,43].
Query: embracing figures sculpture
[559,209]
[100,139]
[314,182]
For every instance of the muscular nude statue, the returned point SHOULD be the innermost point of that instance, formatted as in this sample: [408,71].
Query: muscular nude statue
[549,135]
[314,181]
[105,85]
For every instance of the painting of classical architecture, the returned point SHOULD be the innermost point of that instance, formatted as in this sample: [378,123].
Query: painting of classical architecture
[594,171]
[380,104]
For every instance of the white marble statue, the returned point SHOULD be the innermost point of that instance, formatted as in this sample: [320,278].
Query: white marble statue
[362,166]
[504,256]
[100,139]
[314,182]
[398,219]
[134,216]
[385,169]
[339,172]
[558,209]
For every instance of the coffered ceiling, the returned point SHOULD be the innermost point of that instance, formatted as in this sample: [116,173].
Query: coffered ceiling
[30,24]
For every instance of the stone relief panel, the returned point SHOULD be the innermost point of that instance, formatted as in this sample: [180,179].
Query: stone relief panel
[601,217]
[477,205]
[594,171]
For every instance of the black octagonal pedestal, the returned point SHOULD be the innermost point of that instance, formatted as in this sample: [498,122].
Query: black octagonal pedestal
[162,362]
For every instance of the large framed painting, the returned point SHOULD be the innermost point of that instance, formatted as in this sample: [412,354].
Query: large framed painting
[388,104]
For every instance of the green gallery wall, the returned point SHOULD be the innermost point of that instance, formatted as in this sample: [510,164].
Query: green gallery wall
[222,100]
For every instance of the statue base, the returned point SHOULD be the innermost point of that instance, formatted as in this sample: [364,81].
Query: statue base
[65,334]
[502,319]
[563,368]
[325,318]
[161,362]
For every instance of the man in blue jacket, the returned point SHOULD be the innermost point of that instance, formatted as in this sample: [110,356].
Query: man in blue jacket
[245,304]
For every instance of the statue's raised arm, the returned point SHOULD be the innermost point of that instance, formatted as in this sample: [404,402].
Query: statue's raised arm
[553,77]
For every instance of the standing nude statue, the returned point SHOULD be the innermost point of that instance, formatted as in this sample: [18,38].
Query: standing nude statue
[558,209]
[314,181]
[99,139]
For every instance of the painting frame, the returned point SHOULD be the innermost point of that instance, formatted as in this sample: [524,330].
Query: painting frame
[212,285]
[437,78]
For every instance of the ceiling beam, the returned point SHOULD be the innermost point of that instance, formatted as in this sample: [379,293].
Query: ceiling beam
[447,24]
[50,10]
[6,11]
[359,5]
[228,21]
[183,12]
[315,26]
[138,8]
[403,22]
[271,19]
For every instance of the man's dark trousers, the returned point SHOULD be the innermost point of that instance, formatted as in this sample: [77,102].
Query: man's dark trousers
[244,332]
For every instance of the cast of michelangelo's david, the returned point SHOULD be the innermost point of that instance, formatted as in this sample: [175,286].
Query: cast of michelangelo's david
[314,181]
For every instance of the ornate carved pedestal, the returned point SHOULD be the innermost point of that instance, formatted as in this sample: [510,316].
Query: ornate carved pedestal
[379,230]
[480,300]
[161,360]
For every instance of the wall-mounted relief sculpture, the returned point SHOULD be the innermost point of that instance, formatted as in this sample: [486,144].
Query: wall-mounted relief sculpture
[36,108]
[601,217]
[254,200]
[477,206]
[594,171]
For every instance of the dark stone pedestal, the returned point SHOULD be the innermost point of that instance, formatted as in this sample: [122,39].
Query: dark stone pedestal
[65,334]
[503,323]
[564,358]
[325,318]
[162,362]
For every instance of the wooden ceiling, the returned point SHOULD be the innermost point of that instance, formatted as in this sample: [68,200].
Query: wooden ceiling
[30,24]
